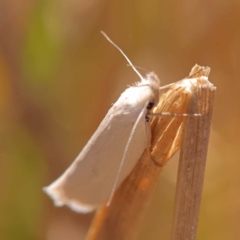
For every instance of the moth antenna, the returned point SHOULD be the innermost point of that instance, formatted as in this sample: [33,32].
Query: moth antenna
[137,67]
[121,51]
[124,156]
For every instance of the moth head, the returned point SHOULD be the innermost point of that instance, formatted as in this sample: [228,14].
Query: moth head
[153,82]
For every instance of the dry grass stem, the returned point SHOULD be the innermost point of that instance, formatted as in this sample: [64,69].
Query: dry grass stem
[193,157]
[122,218]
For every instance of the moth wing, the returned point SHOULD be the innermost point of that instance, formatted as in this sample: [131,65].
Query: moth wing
[89,180]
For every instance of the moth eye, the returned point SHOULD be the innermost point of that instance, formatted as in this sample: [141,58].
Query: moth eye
[150,105]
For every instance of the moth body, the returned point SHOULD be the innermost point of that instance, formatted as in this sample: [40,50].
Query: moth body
[89,180]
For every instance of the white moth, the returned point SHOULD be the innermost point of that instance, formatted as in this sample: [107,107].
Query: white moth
[112,151]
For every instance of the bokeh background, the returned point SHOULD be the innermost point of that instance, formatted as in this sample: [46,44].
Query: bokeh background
[58,78]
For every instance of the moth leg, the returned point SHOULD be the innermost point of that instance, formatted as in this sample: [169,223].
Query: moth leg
[167,114]
[148,145]
[166,86]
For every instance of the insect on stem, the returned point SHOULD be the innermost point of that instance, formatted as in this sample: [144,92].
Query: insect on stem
[122,219]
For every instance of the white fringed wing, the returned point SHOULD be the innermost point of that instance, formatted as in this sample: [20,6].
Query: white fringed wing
[88,182]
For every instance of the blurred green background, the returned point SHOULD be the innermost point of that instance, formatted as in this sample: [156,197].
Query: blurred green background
[58,78]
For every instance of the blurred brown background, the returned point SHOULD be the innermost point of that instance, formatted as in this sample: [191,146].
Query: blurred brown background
[58,78]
